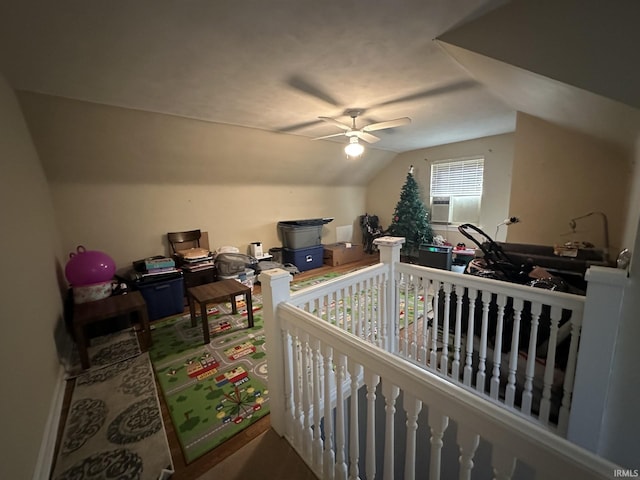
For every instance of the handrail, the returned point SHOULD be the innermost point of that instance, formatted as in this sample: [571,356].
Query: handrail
[315,291]
[549,297]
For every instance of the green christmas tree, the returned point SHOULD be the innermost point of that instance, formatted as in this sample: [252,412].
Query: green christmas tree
[411,219]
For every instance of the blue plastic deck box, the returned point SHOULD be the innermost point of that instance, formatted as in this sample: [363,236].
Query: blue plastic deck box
[304,258]
[163,297]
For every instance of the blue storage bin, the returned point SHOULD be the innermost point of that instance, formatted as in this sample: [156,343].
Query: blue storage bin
[304,258]
[163,298]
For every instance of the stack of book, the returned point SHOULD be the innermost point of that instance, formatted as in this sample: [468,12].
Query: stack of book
[196,259]
[154,268]
[159,265]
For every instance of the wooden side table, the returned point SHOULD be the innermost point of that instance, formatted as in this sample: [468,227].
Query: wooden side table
[217,292]
[87,313]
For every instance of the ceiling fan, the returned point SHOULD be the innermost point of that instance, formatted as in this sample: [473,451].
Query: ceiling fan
[363,133]
[354,149]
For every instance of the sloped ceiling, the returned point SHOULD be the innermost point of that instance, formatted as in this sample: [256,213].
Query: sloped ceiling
[573,62]
[274,66]
[277,66]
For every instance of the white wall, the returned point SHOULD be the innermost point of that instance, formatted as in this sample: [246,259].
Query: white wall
[621,442]
[383,192]
[30,300]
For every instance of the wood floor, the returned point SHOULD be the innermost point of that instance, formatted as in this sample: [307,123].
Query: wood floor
[256,444]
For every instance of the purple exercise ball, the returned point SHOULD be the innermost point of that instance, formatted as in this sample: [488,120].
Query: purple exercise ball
[87,267]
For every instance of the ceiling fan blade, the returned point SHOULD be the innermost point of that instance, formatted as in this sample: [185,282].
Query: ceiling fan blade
[329,136]
[442,90]
[298,126]
[335,122]
[367,137]
[306,86]
[388,124]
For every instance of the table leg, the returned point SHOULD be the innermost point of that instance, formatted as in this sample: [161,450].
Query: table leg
[192,309]
[205,324]
[143,316]
[234,306]
[247,297]
[81,341]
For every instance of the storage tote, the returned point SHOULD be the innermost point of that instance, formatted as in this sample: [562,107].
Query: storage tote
[296,234]
[304,258]
[163,298]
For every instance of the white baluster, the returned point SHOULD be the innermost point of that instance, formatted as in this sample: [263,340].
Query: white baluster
[468,443]
[438,423]
[468,365]
[390,393]
[570,372]
[288,382]
[346,305]
[412,407]
[510,392]
[368,302]
[423,357]
[444,357]
[503,463]
[497,348]
[329,455]
[414,326]
[355,370]
[527,394]
[341,458]
[404,340]
[549,369]
[482,352]
[298,424]
[371,380]
[433,359]
[378,312]
[307,433]
[455,365]
[317,402]
[396,309]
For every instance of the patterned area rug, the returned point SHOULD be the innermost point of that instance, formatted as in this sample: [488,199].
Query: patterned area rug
[104,351]
[212,391]
[114,428]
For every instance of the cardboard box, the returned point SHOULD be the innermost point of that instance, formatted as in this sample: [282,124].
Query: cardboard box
[339,254]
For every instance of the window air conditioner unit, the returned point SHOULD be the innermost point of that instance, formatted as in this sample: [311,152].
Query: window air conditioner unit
[440,210]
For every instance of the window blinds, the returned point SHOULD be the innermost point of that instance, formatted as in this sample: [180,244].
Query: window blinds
[459,177]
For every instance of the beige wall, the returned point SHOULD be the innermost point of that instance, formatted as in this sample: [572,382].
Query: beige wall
[130,222]
[383,192]
[121,179]
[31,306]
[559,175]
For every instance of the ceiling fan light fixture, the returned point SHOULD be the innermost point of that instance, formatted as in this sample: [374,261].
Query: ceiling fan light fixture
[354,149]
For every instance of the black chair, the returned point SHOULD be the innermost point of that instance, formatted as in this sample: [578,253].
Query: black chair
[194,274]
[184,240]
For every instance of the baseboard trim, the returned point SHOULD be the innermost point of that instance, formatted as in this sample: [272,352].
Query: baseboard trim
[42,470]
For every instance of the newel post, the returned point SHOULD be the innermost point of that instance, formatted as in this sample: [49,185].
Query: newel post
[600,325]
[275,284]
[389,248]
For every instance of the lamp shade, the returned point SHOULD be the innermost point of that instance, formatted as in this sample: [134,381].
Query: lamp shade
[354,149]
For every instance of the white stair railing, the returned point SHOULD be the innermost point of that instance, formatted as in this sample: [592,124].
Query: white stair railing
[406,406]
[513,343]
[513,379]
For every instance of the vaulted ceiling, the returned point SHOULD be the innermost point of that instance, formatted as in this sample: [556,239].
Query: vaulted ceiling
[279,65]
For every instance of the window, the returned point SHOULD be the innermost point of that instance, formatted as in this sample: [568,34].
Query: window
[456,190]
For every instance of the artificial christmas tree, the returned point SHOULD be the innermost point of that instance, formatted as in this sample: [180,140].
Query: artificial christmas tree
[411,219]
